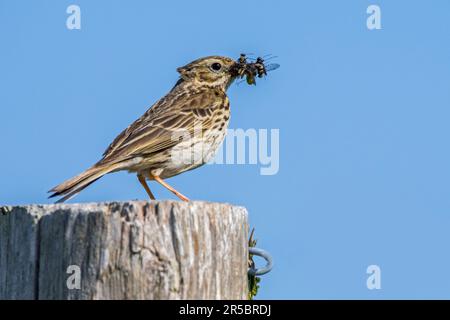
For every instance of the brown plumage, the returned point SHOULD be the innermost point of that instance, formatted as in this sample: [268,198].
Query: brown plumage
[180,132]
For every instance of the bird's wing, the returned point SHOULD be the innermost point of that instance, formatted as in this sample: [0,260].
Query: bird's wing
[167,121]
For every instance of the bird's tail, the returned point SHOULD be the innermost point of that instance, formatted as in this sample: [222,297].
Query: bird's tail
[73,186]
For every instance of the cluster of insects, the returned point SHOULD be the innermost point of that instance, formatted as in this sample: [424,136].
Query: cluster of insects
[256,68]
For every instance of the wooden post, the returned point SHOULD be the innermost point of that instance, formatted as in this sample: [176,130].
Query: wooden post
[129,250]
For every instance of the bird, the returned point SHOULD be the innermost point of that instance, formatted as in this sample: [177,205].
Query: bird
[180,132]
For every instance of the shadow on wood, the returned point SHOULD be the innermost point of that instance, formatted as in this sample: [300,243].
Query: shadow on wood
[129,250]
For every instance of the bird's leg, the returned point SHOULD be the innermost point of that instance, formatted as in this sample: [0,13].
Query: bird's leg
[141,179]
[175,192]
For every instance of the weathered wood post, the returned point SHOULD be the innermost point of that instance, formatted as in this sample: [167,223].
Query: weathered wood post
[129,250]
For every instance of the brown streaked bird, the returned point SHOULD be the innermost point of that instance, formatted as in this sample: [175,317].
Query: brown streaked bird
[180,132]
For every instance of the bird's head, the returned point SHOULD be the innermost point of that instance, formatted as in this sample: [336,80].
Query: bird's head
[213,71]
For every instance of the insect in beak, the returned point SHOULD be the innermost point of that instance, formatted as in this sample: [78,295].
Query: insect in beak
[250,70]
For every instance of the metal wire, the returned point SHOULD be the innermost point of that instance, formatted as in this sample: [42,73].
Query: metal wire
[266,256]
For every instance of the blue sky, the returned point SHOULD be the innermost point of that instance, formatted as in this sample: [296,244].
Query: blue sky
[363,117]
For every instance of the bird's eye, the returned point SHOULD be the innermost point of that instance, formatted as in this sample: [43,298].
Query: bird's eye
[216,66]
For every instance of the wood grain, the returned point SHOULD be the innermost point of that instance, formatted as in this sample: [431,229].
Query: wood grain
[126,250]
